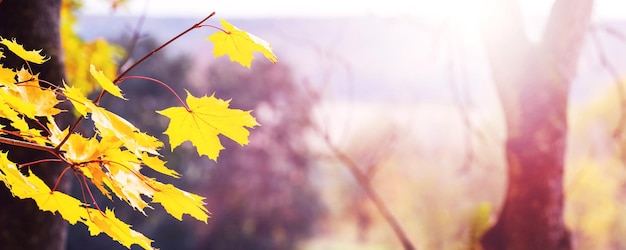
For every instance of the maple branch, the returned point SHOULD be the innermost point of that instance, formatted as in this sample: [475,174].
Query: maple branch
[25,144]
[195,26]
[117,79]
[42,126]
[72,129]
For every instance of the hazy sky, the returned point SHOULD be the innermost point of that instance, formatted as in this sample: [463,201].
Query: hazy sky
[433,9]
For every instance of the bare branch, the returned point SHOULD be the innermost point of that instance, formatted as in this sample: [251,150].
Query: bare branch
[132,44]
[619,83]
[364,182]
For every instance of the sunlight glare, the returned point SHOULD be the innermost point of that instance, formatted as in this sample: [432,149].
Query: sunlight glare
[442,10]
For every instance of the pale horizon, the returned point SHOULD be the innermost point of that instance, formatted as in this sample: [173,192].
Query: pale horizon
[425,9]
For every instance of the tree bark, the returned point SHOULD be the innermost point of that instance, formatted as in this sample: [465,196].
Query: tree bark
[35,24]
[533,83]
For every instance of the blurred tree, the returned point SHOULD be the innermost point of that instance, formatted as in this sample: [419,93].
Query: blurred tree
[533,82]
[36,25]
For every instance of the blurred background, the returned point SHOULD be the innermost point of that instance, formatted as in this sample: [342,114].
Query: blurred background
[392,99]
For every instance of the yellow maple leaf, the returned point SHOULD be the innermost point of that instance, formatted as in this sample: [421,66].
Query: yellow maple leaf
[105,83]
[77,98]
[8,113]
[158,165]
[17,183]
[15,101]
[31,56]
[111,125]
[119,231]
[239,45]
[7,76]
[125,180]
[206,118]
[80,149]
[33,187]
[178,202]
[44,100]
[70,208]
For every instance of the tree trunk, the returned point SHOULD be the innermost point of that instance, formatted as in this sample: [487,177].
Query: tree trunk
[533,83]
[35,24]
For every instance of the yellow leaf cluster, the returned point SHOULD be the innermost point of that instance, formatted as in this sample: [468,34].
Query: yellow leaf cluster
[22,98]
[113,158]
[70,208]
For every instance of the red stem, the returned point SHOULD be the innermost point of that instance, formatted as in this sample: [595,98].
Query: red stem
[72,128]
[215,27]
[80,183]
[42,126]
[40,161]
[160,83]
[195,26]
[59,178]
[30,145]
[90,193]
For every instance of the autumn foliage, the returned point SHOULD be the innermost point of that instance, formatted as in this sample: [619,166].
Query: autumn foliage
[111,161]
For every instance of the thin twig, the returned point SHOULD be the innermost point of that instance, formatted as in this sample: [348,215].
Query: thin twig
[619,84]
[195,26]
[134,40]
[364,182]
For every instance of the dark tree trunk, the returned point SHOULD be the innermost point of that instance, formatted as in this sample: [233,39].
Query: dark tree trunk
[35,24]
[532,214]
[533,82]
